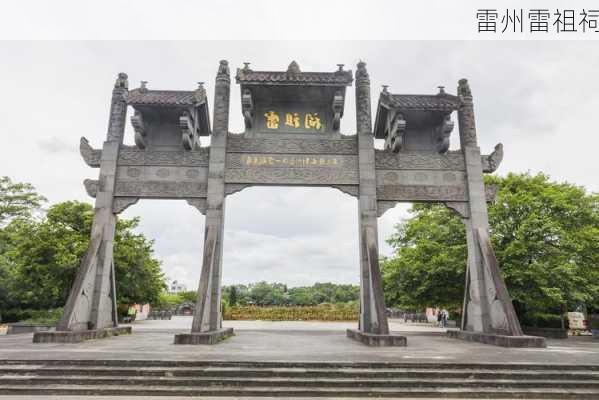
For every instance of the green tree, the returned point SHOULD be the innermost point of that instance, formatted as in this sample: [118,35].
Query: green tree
[190,296]
[17,200]
[233,296]
[545,235]
[43,258]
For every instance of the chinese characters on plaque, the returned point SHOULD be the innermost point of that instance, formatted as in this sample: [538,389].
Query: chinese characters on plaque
[537,20]
[291,161]
[293,120]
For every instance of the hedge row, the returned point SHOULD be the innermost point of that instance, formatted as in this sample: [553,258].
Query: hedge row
[322,312]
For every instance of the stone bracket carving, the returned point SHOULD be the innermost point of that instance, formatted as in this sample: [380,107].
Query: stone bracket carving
[120,204]
[443,133]
[338,101]
[90,155]
[139,127]
[460,208]
[396,129]
[189,130]
[199,204]
[493,160]
[231,188]
[382,206]
[91,187]
[352,190]
[247,107]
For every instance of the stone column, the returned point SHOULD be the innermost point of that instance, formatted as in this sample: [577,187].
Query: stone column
[92,302]
[372,303]
[487,306]
[207,316]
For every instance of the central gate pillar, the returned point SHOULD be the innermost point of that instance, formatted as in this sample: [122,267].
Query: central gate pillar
[207,319]
[373,328]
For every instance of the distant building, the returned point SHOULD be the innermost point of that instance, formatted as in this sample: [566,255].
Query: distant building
[175,287]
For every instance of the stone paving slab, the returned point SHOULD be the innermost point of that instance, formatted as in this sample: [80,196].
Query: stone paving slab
[287,342]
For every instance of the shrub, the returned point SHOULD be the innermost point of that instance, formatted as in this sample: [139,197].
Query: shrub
[322,312]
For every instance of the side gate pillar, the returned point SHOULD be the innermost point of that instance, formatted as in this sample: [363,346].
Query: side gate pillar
[90,311]
[373,328]
[488,315]
[207,319]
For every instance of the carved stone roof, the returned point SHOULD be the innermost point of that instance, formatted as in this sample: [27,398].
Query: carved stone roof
[293,76]
[173,98]
[422,102]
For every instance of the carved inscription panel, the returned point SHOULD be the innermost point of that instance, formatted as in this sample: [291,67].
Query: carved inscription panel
[291,169]
[241,144]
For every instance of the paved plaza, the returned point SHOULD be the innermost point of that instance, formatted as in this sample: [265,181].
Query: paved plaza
[297,341]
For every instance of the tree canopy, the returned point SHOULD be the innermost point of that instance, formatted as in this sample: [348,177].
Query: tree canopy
[17,200]
[545,235]
[271,294]
[39,259]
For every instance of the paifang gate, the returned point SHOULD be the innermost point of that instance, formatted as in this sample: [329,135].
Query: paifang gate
[292,122]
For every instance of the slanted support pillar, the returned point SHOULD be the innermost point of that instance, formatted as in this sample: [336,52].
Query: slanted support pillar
[90,311]
[207,319]
[488,314]
[373,327]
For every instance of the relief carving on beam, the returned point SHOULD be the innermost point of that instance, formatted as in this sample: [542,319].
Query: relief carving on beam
[308,176]
[421,193]
[436,193]
[453,160]
[131,155]
[90,155]
[120,204]
[264,160]
[194,158]
[241,144]
[160,189]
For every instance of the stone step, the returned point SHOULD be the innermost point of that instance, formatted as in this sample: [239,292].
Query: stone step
[57,371]
[145,390]
[320,365]
[296,382]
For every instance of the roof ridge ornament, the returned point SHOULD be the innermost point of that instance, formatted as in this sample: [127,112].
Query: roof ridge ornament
[121,81]
[293,68]
[361,71]
[464,88]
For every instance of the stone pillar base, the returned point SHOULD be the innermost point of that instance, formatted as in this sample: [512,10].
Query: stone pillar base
[497,340]
[79,336]
[212,337]
[373,339]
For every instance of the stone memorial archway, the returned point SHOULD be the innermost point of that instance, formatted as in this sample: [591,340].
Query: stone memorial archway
[292,137]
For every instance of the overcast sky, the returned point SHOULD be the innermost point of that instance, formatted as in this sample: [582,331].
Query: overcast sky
[540,99]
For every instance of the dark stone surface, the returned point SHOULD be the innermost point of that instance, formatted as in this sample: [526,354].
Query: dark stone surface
[28,328]
[497,340]
[554,333]
[212,337]
[371,339]
[79,336]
